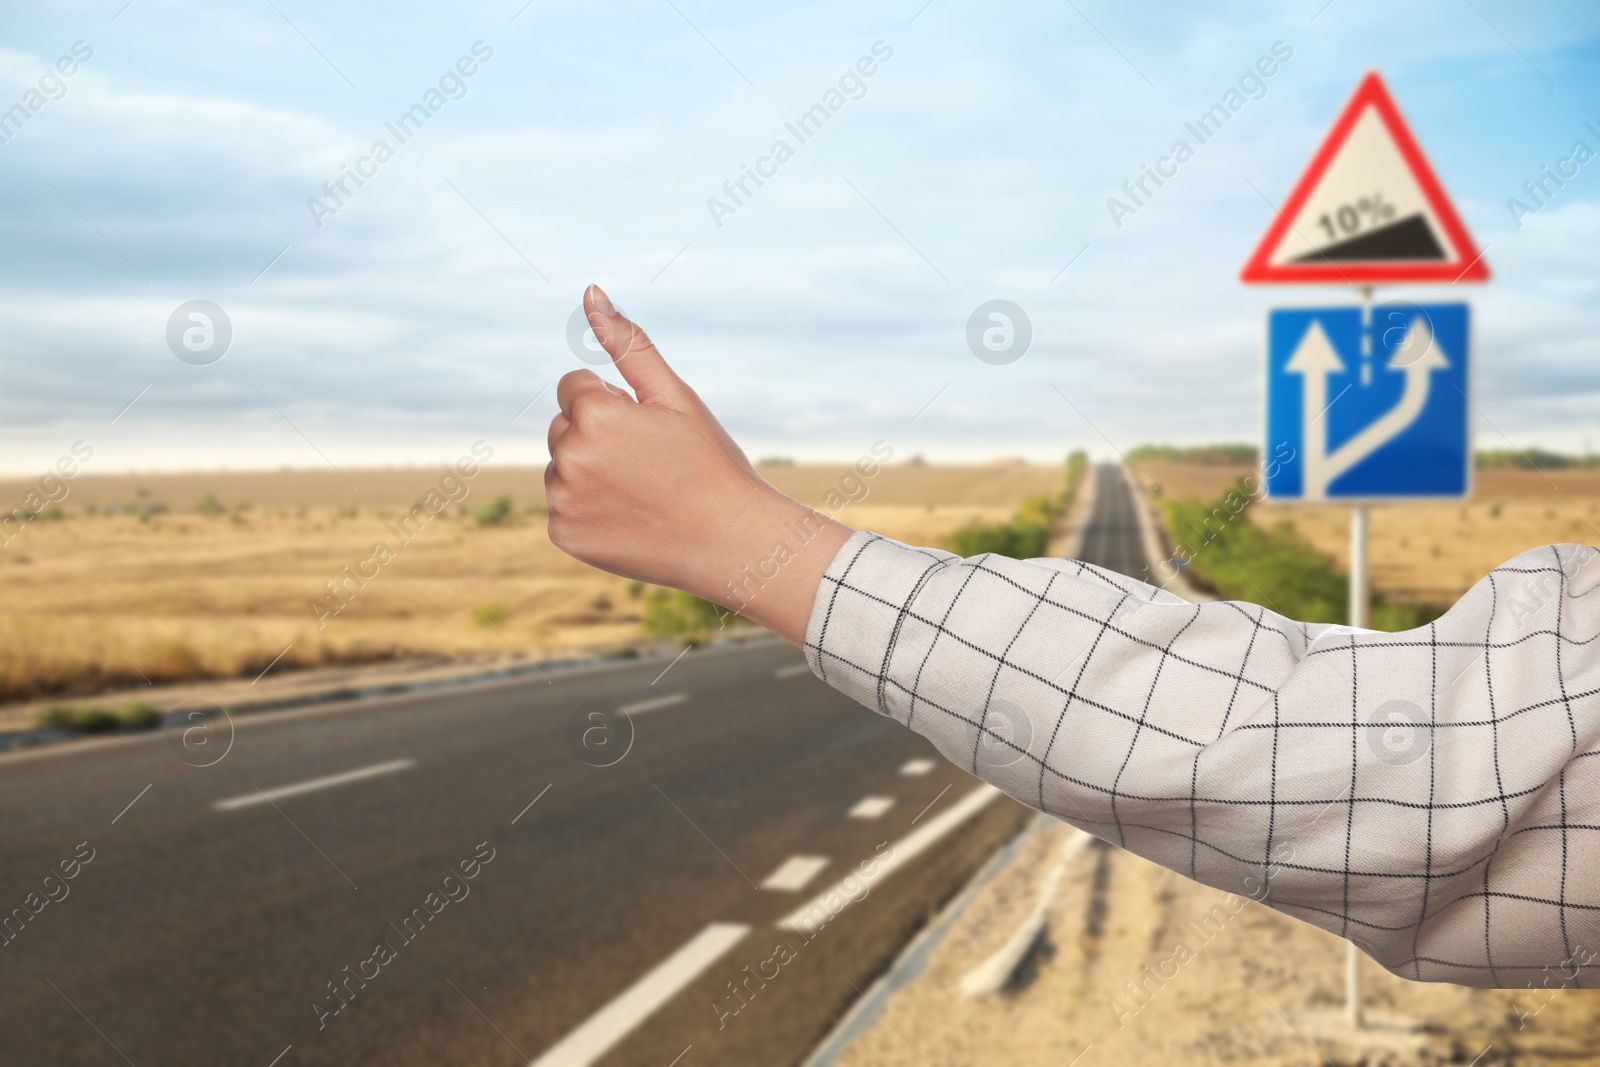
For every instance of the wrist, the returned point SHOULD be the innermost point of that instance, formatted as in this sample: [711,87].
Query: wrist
[772,560]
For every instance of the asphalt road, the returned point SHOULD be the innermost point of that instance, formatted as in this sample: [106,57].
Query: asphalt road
[620,916]
[199,935]
[1112,537]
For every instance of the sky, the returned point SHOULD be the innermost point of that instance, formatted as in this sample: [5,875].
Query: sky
[185,159]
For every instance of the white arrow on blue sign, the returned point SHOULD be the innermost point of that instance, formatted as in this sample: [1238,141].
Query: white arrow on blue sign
[1368,404]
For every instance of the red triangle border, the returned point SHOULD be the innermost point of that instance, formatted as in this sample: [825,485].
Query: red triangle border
[1371,93]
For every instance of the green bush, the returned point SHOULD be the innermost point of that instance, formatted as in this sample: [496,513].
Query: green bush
[1077,467]
[493,513]
[670,613]
[489,614]
[139,716]
[209,506]
[53,718]
[1042,510]
[1027,535]
[1275,568]
[87,720]
[1019,540]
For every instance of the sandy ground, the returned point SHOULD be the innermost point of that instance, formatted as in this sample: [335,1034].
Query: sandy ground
[95,600]
[1257,988]
[1429,553]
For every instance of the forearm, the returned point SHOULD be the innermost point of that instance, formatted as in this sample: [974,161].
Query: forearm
[1390,788]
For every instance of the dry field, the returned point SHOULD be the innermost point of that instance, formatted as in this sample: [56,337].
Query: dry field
[1429,553]
[93,601]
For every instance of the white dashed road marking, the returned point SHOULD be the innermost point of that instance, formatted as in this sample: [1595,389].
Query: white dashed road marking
[916,768]
[617,1019]
[795,873]
[262,796]
[871,807]
[905,850]
[639,707]
[792,672]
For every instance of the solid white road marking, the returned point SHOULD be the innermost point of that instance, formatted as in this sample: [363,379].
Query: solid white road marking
[795,873]
[916,768]
[906,849]
[994,973]
[639,707]
[606,1027]
[871,807]
[792,672]
[261,796]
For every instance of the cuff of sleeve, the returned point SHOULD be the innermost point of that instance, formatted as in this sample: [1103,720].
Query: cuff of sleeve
[862,602]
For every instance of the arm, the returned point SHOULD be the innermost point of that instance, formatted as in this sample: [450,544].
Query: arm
[1430,795]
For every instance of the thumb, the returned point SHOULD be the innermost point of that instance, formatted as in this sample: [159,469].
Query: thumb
[634,354]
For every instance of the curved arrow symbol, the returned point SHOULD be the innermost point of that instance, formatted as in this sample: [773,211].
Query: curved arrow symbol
[1315,358]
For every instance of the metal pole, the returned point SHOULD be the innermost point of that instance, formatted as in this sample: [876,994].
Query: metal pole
[1358,566]
[1358,617]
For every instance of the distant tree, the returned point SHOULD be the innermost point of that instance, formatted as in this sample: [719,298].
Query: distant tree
[1532,459]
[1219,455]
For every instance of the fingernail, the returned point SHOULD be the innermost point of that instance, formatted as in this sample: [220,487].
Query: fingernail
[602,302]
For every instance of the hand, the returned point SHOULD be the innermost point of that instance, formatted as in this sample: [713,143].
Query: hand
[650,486]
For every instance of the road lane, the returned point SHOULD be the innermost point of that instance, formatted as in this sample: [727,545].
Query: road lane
[1111,539]
[246,916]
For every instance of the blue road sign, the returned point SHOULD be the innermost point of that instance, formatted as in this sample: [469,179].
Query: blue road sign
[1368,404]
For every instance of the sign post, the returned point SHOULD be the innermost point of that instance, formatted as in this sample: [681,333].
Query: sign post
[1341,424]
[1358,618]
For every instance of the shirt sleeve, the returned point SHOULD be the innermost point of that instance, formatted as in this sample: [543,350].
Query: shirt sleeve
[1430,795]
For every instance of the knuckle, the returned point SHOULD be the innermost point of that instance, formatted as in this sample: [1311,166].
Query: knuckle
[557,500]
[573,385]
[596,408]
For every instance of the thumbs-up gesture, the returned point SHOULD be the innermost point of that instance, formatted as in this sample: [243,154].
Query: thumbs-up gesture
[650,486]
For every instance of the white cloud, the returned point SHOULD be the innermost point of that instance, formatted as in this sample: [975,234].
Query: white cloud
[990,142]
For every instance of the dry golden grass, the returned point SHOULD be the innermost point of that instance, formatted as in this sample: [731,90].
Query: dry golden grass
[1429,553]
[94,601]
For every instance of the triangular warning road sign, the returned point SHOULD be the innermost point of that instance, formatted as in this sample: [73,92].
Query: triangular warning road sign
[1368,209]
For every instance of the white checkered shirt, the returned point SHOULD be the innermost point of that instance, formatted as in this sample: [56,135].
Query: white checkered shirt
[1430,795]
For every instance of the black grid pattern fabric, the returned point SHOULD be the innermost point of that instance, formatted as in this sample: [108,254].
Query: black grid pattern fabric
[1429,795]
